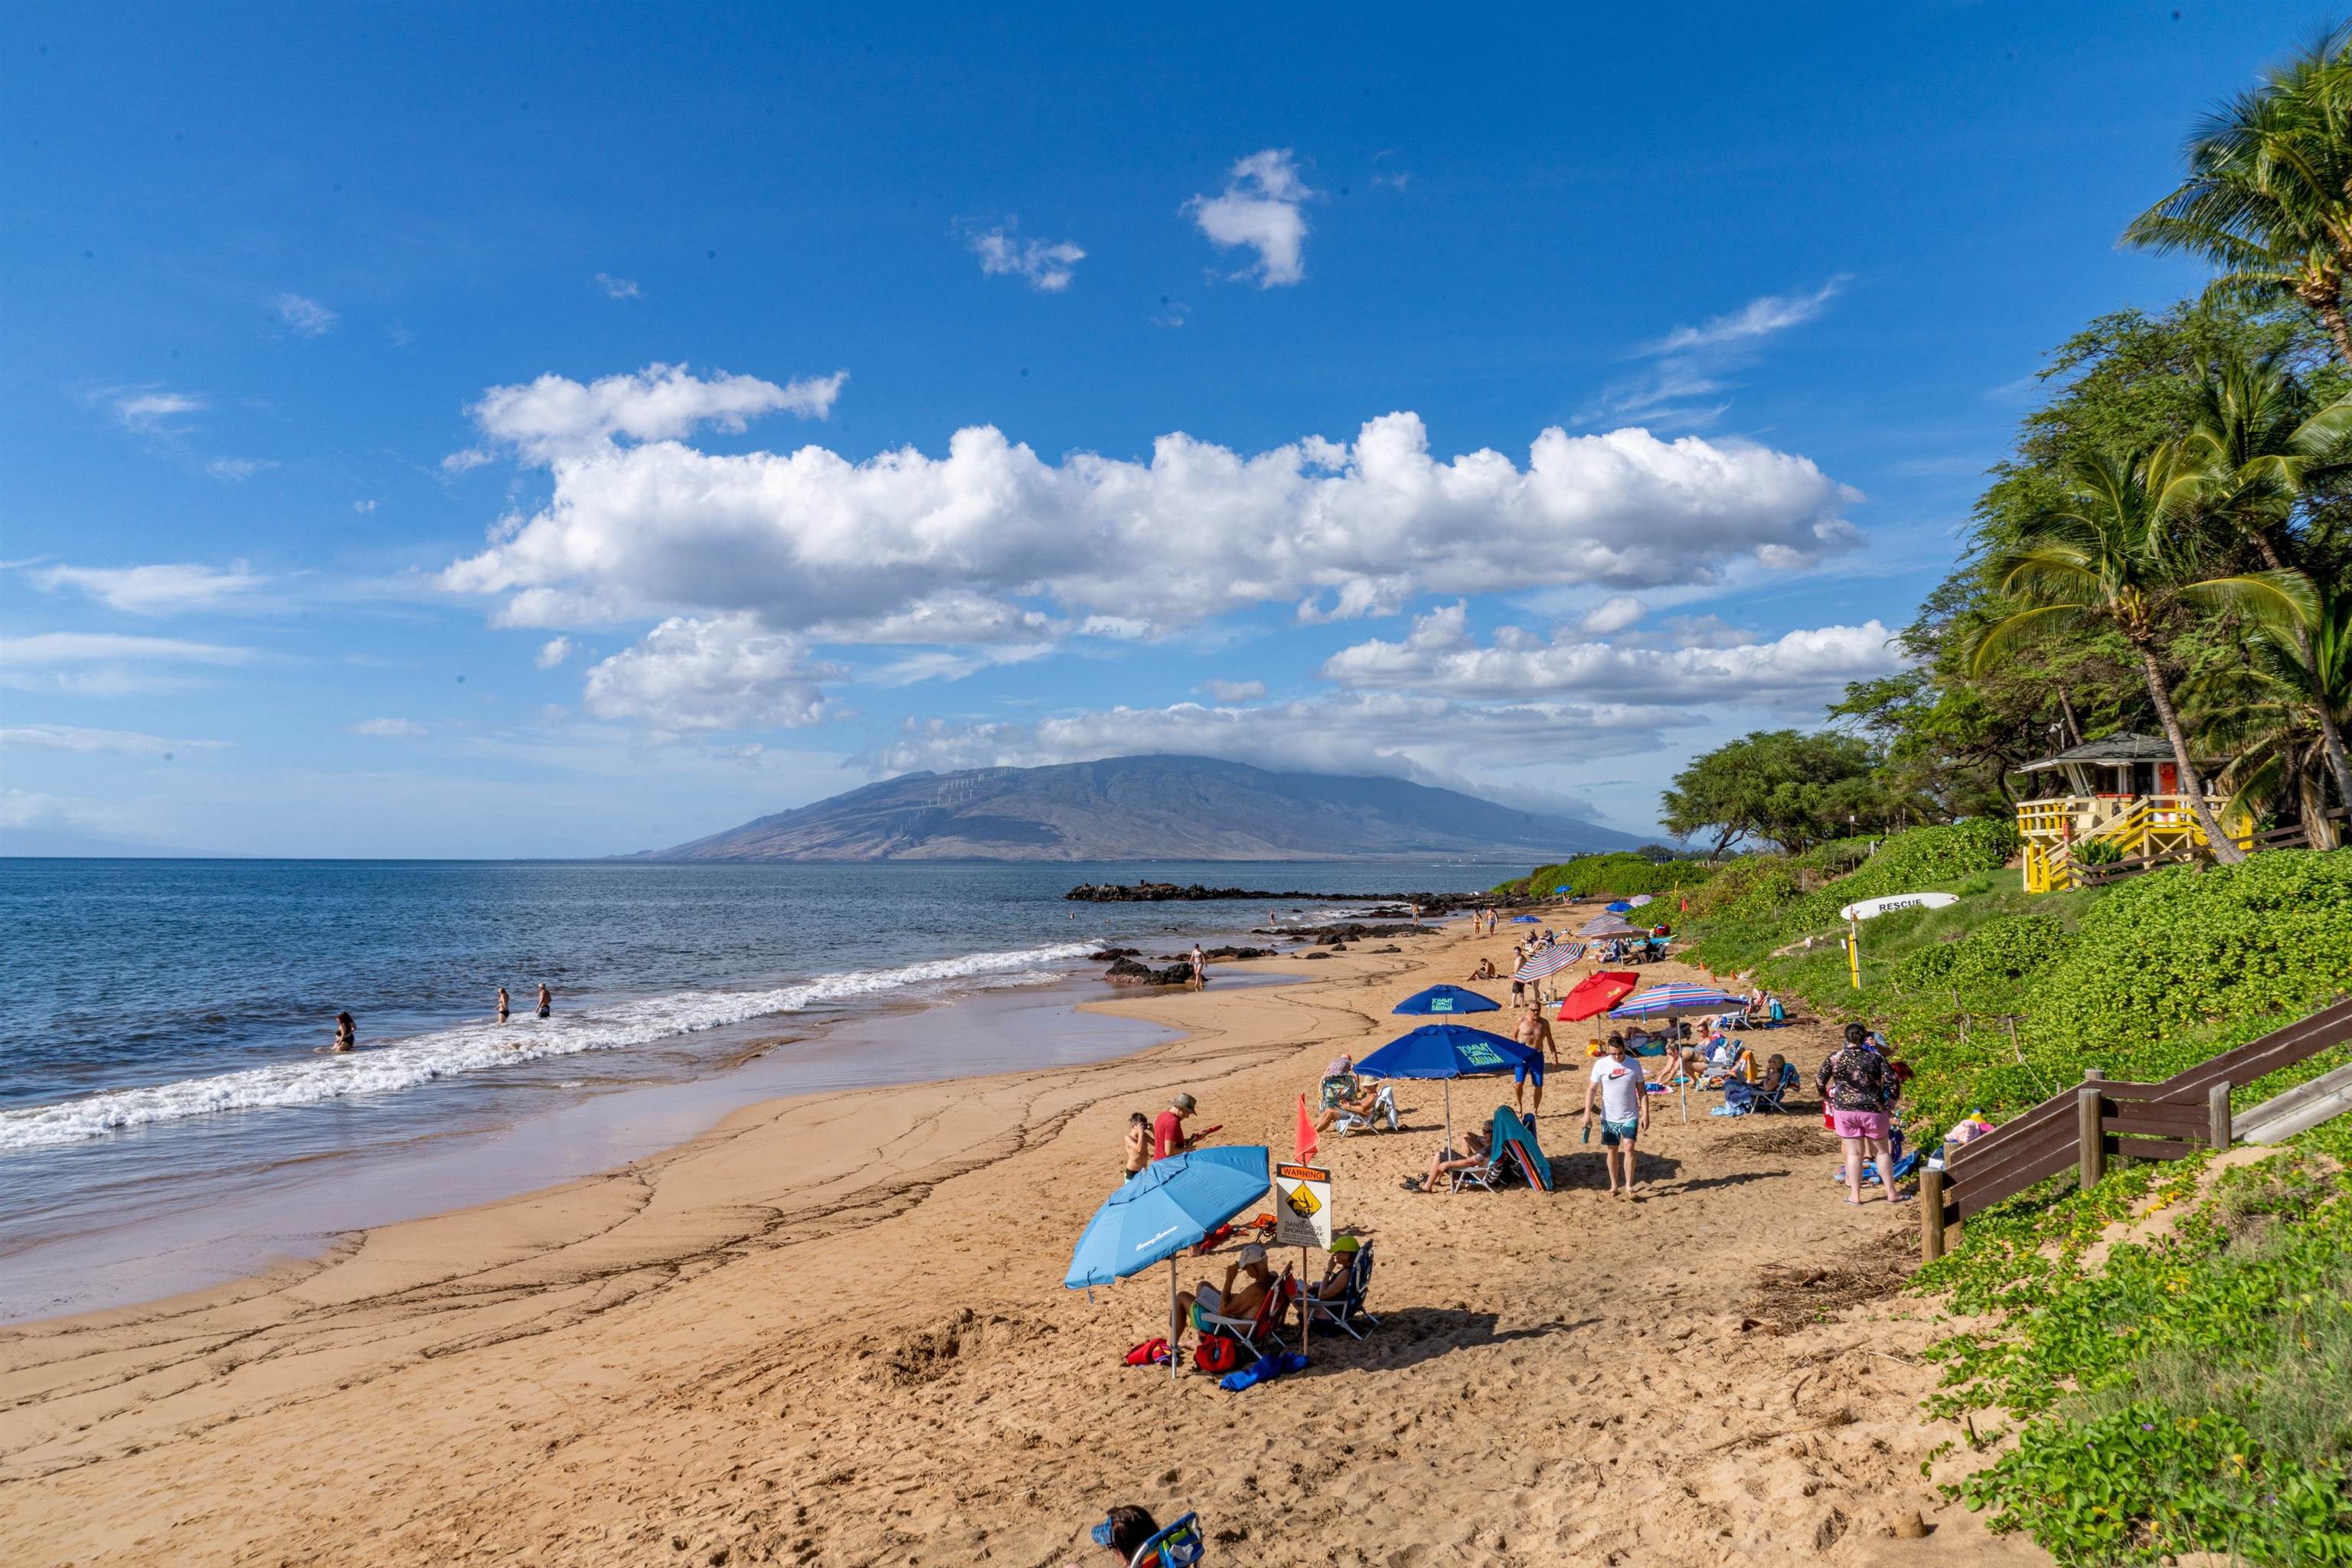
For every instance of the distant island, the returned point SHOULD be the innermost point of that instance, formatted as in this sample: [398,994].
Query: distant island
[1149,808]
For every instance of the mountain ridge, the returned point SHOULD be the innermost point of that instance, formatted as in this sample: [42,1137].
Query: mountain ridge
[1158,807]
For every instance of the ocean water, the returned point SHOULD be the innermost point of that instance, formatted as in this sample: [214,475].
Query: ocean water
[162,1022]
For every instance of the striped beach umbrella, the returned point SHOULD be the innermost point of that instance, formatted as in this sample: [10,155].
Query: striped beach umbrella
[1550,960]
[1609,925]
[1673,997]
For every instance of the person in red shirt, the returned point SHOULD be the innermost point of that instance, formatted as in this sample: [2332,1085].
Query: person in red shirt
[1168,1135]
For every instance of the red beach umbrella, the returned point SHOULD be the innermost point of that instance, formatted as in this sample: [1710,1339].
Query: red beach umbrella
[1596,993]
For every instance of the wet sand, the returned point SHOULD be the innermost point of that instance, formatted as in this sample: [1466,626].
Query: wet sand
[831,1330]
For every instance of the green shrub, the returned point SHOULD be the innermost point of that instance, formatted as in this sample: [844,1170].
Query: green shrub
[1618,876]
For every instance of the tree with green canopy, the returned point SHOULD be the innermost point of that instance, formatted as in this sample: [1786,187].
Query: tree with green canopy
[1784,785]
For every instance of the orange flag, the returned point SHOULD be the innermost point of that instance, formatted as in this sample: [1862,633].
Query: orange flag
[1305,1132]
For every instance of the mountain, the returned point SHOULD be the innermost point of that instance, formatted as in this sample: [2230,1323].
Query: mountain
[1149,808]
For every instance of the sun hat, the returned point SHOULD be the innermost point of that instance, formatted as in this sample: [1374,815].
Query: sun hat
[1186,1103]
[1345,1243]
[1253,1253]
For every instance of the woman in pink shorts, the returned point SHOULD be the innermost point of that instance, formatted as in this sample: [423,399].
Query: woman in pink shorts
[1854,1085]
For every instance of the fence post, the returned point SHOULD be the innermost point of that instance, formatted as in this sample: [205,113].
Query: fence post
[1931,1210]
[2217,1116]
[2092,1142]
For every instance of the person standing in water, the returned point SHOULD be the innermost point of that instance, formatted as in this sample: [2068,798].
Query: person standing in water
[502,1003]
[347,1033]
[546,1000]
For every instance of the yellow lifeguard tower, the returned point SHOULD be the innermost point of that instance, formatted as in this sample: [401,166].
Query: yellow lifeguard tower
[2122,790]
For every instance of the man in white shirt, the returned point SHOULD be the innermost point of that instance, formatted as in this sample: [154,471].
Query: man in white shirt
[1618,1091]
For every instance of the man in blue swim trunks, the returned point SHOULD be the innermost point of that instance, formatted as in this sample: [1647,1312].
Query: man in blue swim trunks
[1534,1032]
[1623,1100]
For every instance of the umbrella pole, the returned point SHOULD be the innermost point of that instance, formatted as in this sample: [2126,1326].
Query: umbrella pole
[1449,1116]
[1175,1324]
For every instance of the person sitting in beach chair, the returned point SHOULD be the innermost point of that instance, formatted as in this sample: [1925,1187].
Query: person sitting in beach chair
[1350,1107]
[1772,1084]
[1480,1157]
[1136,1539]
[1338,1299]
[1236,1308]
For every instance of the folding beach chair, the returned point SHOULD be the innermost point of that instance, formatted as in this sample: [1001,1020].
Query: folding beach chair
[1382,1118]
[1261,1331]
[1348,1309]
[1483,1177]
[1178,1546]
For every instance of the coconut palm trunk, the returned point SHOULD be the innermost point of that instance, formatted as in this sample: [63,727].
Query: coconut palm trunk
[2225,850]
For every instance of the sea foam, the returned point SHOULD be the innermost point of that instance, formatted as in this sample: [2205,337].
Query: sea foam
[447,1053]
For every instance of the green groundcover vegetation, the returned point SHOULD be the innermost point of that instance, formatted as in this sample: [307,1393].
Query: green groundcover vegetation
[2191,1393]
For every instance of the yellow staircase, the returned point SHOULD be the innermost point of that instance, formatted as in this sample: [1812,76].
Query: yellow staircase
[2142,828]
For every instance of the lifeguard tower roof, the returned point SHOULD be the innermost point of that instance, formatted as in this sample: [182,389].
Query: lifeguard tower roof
[2110,750]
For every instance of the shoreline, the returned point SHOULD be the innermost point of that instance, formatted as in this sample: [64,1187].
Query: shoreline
[830,1330]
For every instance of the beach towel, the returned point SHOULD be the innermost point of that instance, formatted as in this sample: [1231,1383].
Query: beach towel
[1265,1369]
[1516,1141]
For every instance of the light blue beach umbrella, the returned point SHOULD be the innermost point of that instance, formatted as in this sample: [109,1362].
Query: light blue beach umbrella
[1173,1205]
[1446,1051]
[1446,999]
[1673,998]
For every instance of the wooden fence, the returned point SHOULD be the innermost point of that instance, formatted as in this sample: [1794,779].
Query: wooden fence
[2087,875]
[2083,1126]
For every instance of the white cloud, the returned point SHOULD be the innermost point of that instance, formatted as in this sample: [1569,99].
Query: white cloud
[120,742]
[1693,365]
[1235,691]
[555,417]
[304,317]
[1046,265]
[808,540]
[154,410]
[1614,614]
[150,590]
[1792,671]
[722,673]
[1758,317]
[1260,208]
[389,729]
[1388,734]
[617,287]
[552,652]
[27,809]
[44,650]
[363,507]
[236,470]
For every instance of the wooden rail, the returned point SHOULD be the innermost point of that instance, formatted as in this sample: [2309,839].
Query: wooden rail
[2099,1117]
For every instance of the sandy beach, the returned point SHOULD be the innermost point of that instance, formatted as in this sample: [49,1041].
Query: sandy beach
[832,1331]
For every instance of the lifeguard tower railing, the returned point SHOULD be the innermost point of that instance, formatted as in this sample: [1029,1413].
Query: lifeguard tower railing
[2146,828]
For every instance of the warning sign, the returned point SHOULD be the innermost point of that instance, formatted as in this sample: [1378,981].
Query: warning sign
[1302,1206]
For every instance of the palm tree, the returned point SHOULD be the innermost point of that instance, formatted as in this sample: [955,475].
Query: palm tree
[2295,686]
[2262,456]
[2113,554]
[2261,453]
[2268,199]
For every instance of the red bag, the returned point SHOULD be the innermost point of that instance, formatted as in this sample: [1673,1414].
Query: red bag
[1151,1352]
[1217,1354]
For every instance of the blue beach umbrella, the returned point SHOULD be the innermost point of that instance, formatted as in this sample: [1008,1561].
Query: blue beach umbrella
[1524,920]
[1446,999]
[1446,1051]
[1173,1205]
[1622,907]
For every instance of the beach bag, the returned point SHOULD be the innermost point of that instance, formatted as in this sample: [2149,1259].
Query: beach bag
[1151,1352]
[1217,1355]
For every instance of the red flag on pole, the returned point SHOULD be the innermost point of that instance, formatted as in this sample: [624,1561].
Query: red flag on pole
[1305,1132]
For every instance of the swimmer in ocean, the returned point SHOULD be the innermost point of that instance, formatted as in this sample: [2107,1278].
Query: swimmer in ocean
[546,1000]
[502,1003]
[347,1033]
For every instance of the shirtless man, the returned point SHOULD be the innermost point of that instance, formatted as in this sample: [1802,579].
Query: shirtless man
[1534,1032]
[546,1000]
[1247,1280]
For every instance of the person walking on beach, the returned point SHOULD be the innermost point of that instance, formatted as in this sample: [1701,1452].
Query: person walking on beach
[1617,1090]
[1200,967]
[1139,1143]
[546,1000]
[1168,1134]
[502,1003]
[1854,1085]
[1534,1032]
[347,1034]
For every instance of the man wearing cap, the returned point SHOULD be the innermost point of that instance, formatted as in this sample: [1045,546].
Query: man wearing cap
[1247,1280]
[1168,1134]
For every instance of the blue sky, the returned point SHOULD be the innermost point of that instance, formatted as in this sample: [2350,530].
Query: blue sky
[520,430]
